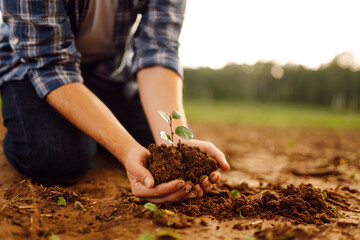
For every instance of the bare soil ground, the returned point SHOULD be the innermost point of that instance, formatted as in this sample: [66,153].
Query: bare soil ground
[294,183]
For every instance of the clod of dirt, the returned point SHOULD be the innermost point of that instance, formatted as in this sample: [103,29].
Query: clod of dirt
[167,163]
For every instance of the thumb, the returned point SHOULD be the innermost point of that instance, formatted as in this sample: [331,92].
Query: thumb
[144,176]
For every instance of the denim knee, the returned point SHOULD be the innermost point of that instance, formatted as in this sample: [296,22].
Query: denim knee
[49,165]
[40,143]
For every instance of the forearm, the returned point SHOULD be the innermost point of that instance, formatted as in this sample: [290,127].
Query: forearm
[87,112]
[160,89]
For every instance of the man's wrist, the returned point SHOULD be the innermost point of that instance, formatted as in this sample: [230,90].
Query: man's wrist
[121,151]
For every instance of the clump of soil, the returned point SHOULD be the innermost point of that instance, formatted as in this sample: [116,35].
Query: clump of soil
[167,163]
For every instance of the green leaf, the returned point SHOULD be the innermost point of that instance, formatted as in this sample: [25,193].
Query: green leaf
[146,236]
[333,208]
[61,201]
[176,115]
[169,223]
[53,237]
[249,238]
[323,195]
[165,136]
[112,217]
[240,215]
[235,193]
[152,207]
[184,133]
[164,116]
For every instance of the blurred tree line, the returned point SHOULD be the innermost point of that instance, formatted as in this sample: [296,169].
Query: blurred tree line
[335,85]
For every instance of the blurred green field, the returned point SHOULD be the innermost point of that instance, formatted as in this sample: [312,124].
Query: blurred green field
[269,114]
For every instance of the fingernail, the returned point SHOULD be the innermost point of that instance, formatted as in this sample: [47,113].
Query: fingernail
[202,178]
[214,177]
[180,185]
[188,188]
[228,165]
[147,182]
[192,195]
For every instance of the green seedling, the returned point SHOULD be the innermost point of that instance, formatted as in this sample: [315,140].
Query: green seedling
[112,217]
[235,193]
[146,236]
[61,201]
[181,131]
[334,209]
[169,212]
[249,238]
[240,215]
[353,176]
[152,207]
[53,237]
[288,237]
[291,143]
[323,195]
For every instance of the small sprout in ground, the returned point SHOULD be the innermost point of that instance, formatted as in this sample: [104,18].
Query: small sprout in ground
[249,238]
[291,143]
[53,237]
[353,176]
[150,206]
[61,201]
[181,131]
[169,223]
[240,215]
[169,212]
[167,235]
[235,193]
[323,195]
[146,236]
[334,209]
[288,237]
[112,217]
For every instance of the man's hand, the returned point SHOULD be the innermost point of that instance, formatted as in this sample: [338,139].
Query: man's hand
[207,182]
[142,182]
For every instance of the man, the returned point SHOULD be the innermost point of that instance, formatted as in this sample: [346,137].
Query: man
[53,111]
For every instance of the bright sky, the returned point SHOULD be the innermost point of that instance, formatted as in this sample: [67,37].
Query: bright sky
[308,32]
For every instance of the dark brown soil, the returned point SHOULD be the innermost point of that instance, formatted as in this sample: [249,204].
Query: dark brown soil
[301,205]
[273,178]
[167,163]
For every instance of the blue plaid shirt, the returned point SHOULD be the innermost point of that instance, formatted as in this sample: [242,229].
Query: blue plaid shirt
[37,40]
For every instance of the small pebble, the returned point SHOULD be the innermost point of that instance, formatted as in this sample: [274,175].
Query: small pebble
[78,206]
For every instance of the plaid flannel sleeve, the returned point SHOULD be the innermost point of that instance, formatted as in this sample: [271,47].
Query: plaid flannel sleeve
[156,40]
[41,37]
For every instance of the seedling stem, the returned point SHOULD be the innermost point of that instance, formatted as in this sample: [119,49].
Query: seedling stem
[181,131]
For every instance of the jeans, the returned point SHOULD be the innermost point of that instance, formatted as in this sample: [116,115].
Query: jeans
[43,146]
